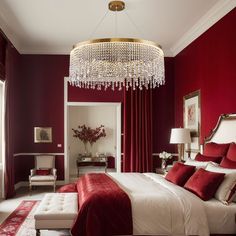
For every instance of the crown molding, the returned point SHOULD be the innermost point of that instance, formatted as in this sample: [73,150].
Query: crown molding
[219,10]
[9,32]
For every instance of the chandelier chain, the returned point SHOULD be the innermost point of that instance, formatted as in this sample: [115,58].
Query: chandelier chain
[98,24]
[133,23]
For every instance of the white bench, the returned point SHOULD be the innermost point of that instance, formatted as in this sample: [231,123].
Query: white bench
[56,211]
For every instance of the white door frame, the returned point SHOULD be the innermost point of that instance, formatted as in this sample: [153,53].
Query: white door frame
[2,167]
[66,124]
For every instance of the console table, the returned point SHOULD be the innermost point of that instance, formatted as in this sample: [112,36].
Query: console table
[91,161]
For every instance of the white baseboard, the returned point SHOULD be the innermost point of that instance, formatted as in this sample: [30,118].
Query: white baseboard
[26,184]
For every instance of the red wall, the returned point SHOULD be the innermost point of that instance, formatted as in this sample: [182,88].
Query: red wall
[209,64]
[41,104]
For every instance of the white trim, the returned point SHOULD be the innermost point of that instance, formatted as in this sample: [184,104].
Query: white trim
[66,159]
[3,138]
[118,138]
[219,10]
[87,104]
[37,153]
[26,184]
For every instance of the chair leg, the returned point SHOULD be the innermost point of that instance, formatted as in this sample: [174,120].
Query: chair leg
[30,189]
[54,187]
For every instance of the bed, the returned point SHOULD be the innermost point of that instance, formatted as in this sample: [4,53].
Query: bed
[157,206]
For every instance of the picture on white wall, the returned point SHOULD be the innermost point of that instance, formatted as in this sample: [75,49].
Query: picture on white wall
[192,116]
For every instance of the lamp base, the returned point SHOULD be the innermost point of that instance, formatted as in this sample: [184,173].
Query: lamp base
[181,152]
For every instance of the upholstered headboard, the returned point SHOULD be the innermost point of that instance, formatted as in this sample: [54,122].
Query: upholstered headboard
[225,130]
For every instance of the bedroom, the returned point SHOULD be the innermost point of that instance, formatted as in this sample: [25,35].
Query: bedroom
[36,79]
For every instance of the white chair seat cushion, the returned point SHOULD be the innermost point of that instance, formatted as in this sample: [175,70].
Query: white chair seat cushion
[58,206]
[42,178]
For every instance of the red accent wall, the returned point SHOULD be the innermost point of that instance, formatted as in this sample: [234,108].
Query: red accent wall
[41,104]
[209,64]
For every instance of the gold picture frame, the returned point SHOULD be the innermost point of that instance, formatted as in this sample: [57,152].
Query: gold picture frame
[192,119]
[43,134]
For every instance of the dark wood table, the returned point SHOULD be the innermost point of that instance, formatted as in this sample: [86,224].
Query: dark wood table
[91,161]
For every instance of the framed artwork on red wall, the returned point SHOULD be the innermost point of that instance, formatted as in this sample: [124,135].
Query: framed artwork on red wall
[192,118]
[42,134]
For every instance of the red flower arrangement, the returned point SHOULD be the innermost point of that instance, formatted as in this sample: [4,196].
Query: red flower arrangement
[87,134]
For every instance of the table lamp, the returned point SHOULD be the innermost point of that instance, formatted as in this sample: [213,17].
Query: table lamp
[180,136]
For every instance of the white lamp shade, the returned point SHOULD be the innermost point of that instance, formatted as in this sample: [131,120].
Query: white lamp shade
[180,135]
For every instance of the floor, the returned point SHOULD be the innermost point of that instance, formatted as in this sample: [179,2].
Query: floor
[7,206]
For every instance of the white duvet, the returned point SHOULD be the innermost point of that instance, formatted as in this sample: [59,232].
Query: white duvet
[162,208]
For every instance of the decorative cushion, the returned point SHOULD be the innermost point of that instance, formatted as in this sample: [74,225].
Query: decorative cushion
[43,172]
[216,149]
[204,183]
[68,188]
[231,154]
[38,178]
[200,157]
[226,163]
[180,173]
[226,191]
[197,164]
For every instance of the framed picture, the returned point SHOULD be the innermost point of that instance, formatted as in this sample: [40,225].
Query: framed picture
[42,134]
[192,119]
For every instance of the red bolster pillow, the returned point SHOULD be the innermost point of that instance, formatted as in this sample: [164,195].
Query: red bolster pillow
[226,163]
[204,183]
[43,172]
[180,173]
[216,149]
[200,157]
[231,154]
[68,188]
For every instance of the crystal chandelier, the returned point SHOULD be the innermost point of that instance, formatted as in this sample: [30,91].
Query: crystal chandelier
[117,62]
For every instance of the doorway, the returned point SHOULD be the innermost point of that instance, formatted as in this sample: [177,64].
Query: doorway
[92,114]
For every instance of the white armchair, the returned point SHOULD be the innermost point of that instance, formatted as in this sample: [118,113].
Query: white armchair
[44,172]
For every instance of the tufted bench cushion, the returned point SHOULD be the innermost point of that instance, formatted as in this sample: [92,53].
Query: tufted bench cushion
[56,211]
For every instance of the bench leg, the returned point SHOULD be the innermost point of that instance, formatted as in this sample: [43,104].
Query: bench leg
[37,232]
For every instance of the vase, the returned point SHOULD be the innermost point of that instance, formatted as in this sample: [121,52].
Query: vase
[91,149]
[163,164]
[86,153]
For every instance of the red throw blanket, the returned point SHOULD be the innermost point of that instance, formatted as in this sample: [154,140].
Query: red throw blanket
[104,208]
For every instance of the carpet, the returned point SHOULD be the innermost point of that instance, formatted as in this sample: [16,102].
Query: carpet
[21,222]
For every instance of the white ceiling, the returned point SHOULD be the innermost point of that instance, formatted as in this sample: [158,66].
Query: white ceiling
[54,26]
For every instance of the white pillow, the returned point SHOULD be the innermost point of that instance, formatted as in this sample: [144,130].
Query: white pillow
[227,190]
[198,164]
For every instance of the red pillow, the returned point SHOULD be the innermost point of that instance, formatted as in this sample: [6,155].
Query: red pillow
[226,163]
[204,183]
[68,188]
[43,172]
[231,154]
[216,149]
[180,173]
[200,157]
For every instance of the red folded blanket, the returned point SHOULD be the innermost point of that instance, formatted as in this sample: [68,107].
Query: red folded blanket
[104,208]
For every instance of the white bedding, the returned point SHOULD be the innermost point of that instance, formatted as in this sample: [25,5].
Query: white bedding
[162,208]
[221,218]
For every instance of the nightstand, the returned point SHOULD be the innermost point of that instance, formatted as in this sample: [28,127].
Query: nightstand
[161,171]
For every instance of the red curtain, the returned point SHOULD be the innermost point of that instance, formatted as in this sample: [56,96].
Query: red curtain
[9,177]
[137,144]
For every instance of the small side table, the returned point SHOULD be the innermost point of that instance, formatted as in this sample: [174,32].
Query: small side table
[161,171]
[91,161]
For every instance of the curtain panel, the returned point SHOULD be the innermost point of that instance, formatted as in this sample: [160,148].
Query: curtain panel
[137,145]
[9,63]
